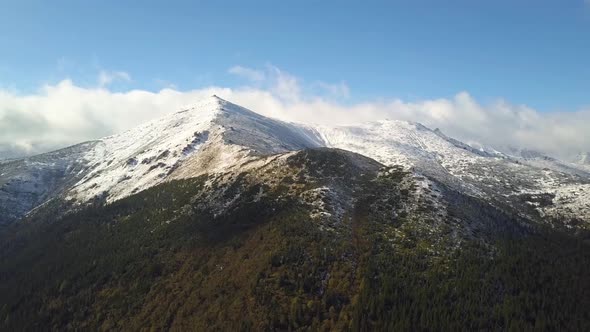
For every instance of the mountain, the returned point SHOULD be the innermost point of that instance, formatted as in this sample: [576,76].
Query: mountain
[211,136]
[218,218]
[27,183]
[215,135]
[542,190]
[314,239]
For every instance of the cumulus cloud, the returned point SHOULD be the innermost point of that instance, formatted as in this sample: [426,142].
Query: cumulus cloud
[65,113]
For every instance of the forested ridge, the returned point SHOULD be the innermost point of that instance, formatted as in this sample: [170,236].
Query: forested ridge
[145,262]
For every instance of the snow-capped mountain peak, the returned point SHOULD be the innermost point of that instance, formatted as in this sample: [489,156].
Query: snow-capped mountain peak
[214,136]
[140,157]
[209,136]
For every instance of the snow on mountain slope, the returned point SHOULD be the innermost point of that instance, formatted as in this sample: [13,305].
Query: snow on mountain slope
[141,157]
[411,145]
[26,183]
[539,160]
[509,182]
[211,136]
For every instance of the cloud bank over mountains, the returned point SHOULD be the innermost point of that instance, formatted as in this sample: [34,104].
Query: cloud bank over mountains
[64,113]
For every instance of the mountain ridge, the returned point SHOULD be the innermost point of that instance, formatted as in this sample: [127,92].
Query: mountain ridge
[215,135]
[320,239]
[215,212]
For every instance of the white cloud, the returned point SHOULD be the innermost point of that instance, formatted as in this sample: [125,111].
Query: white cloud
[247,73]
[280,83]
[287,86]
[63,114]
[105,77]
[338,90]
[284,85]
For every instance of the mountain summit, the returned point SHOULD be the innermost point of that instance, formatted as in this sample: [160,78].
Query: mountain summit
[210,136]
[216,136]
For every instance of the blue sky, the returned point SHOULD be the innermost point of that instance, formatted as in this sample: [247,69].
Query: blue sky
[528,52]
[494,72]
